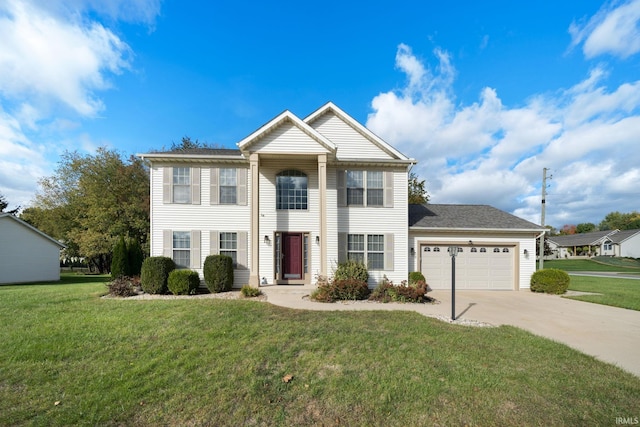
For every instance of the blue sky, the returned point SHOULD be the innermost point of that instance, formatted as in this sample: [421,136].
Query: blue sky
[483,94]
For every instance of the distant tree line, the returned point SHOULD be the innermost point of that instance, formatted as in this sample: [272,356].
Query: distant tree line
[613,221]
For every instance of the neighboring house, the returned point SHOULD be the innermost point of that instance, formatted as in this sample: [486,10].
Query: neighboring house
[623,243]
[26,253]
[581,244]
[496,250]
[299,196]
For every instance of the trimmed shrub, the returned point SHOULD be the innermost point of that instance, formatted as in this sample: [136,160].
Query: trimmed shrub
[183,282]
[155,273]
[218,273]
[416,276]
[135,256]
[386,291]
[123,286]
[550,281]
[341,290]
[250,292]
[119,260]
[351,269]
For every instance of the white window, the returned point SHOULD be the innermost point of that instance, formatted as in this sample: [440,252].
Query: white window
[229,246]
[365,188]
[181,185]
[291,190]
[182,249]
[355,247]
[375,251]
[355,188]
[228,186]
[375,188]
[373,256]
[608,246]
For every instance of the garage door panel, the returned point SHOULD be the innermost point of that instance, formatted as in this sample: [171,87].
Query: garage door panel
[491,268]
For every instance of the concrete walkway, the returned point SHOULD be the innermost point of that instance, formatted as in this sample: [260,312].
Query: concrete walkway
[607,333]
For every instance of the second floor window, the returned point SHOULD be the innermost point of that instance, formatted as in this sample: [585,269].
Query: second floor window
[181,185]
[228,186]
[291,190]
[365,188]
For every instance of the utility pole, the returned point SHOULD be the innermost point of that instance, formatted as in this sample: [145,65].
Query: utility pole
[544,195]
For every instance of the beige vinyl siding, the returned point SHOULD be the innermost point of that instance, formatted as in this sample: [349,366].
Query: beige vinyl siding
[202,218]
[272,219]
[377,220]
[351,143]
[288,138]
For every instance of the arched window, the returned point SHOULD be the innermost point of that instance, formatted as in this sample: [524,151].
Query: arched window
[291,190]
[474,250]
[496,249]
[505,249]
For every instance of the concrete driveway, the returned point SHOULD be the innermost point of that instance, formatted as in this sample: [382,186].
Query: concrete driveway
[607,333]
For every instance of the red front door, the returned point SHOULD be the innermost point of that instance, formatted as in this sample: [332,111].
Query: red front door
[292,256]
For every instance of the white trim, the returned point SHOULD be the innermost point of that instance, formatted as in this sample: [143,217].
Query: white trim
[32,228]
[286,116]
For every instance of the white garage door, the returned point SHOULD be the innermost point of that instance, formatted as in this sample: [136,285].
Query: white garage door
[477,267]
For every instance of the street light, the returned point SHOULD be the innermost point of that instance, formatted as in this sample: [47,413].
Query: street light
[453,251]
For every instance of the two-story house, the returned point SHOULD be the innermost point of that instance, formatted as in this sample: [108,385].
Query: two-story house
[297,197]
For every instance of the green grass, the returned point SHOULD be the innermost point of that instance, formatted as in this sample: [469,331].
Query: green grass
[216,362]
[624,293]
[607,264]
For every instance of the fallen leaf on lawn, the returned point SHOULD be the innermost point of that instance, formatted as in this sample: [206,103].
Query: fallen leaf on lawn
[56,403]
[287,378]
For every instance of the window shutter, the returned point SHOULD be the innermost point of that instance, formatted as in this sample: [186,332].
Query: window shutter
[195,186]
[342,187]
[167,181]
[388,189]
[167,243]
[214,242]
[195,249]
[214,196]
[242,186]
[388,252]
[241,258]
[342,247]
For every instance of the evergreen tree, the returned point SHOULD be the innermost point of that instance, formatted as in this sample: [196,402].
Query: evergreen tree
[136,256]
[120,260]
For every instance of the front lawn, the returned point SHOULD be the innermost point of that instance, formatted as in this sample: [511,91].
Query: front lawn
[71,358]
[615,292]
[623,265]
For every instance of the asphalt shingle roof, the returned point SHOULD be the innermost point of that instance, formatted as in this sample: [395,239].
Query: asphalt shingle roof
[581,239]
[466,217]
[203,151]
[622,235]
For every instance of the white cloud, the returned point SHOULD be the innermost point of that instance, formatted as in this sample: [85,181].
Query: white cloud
[613,30]
[55,59]
[489,153]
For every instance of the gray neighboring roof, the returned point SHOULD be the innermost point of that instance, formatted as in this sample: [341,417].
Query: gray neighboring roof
[622,235]
[469,217]
[202,151]
[593,238]
[32,228]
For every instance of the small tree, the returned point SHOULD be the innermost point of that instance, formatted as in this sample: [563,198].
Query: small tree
[417,192]
[135,256]
[120,260]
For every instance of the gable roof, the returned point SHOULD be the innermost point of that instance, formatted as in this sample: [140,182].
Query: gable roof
[592,238]
[32,228]
[466,217]
[330,107]
[622,235]
[285,117]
